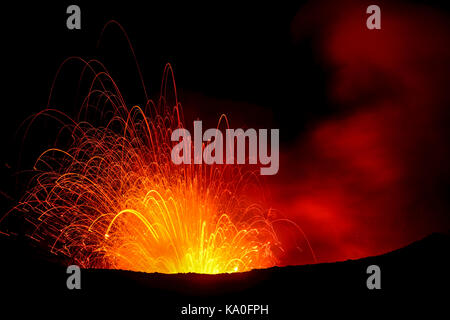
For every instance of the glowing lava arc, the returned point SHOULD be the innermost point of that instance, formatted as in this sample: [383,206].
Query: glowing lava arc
[114,199]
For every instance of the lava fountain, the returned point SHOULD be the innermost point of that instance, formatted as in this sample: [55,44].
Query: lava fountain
[112,198]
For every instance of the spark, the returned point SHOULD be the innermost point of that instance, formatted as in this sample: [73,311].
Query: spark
[114,199]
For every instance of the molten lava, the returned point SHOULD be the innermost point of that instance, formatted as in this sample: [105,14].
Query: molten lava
[114,199]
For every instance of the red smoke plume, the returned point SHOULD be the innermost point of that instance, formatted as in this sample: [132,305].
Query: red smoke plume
[373,178]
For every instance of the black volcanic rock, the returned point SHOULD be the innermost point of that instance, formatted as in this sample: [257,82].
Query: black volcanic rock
[418,272]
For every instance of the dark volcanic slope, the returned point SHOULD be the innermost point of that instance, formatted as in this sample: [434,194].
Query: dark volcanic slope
[416,272]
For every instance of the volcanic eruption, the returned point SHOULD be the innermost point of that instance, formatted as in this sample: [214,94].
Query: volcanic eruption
[112,198]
